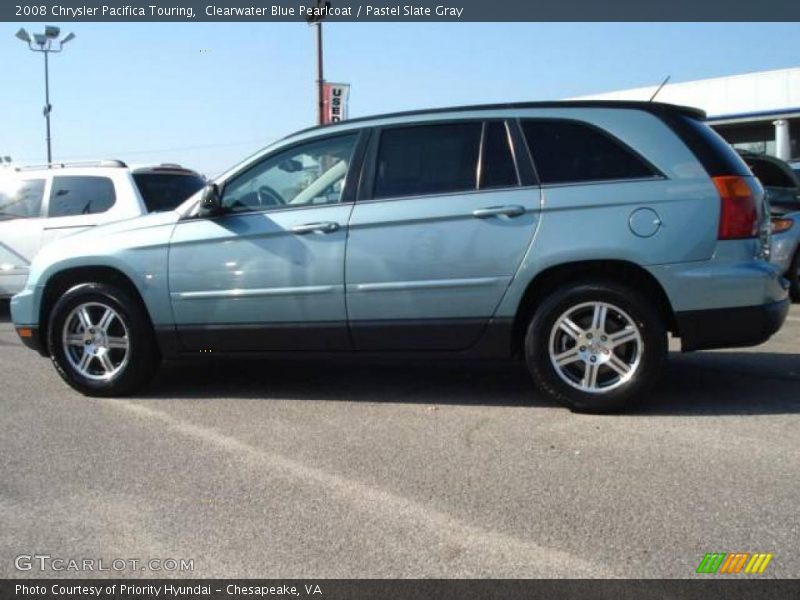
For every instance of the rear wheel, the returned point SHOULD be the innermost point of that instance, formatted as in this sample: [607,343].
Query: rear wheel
[101,341]
[596,347]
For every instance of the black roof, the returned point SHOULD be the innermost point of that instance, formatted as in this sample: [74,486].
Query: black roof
[658,108]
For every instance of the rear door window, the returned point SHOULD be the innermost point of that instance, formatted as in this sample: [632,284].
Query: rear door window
[80,195]
[165,191]
[428,159]
[571,152]
[21,199]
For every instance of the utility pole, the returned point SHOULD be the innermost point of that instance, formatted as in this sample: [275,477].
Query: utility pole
[318,13]
[46,43]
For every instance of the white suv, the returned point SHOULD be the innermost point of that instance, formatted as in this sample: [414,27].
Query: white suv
[41,204]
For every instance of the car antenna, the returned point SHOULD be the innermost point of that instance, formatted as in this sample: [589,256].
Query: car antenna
[663,83]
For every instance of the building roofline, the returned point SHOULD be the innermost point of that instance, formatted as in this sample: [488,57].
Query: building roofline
[657,108]
[764,115]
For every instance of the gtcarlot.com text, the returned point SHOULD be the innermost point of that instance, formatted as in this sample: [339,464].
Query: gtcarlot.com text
[45,562]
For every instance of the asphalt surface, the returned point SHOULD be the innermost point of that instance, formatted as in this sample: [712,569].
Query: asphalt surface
[272,469]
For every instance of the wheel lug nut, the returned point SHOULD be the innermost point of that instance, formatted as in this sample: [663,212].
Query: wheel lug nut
[603,338]
[582,348]
[588,336]
[593,359]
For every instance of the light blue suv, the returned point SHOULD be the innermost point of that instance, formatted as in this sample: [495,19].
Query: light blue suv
[573,235]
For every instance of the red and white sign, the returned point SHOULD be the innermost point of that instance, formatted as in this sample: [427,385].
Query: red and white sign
[334,97]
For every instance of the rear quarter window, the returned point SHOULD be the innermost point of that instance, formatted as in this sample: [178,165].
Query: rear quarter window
[80,195]
[710,148]
[572,152]
[165,191]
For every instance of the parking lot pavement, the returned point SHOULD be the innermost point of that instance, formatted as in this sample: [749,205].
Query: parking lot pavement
[363,470]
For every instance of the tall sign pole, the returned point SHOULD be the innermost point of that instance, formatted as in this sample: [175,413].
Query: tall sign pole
[316,15]
[320,77]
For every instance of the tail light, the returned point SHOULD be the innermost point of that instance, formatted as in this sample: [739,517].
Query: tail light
[738,217]
[781,224]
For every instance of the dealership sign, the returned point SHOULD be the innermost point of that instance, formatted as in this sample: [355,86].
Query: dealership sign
[334,97]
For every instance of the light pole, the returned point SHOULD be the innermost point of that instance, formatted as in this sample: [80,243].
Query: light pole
[322,7]
[46,43]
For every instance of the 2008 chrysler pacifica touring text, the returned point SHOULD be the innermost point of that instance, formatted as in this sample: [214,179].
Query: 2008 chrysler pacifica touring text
[574,235]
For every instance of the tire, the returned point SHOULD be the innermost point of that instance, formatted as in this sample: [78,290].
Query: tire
[793,275]
[116,354]
[624,373]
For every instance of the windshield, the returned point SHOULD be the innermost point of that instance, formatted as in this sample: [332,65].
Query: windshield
[165,191]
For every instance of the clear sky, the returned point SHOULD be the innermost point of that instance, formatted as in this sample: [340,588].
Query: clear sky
[208,94]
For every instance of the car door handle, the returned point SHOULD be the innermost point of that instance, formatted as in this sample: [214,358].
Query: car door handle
[513,210]
[324,227]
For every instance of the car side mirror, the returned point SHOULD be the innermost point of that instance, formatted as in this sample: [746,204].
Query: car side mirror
[210,201]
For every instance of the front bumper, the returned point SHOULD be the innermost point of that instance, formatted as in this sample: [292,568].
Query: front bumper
[730,327]
[25,316]
[31,338]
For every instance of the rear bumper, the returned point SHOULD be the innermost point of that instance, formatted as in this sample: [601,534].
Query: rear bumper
[730,327]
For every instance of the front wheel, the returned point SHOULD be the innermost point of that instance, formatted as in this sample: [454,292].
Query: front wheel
[101,341]
[596,347]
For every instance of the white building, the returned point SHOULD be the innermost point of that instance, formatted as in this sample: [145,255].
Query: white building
[754,111]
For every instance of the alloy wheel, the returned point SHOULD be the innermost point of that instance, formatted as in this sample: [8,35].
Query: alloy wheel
[595,347]
[95,341]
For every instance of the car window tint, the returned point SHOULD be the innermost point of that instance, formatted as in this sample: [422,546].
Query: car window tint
[312,173]
[770,174]
[165,191]
[569,152]
[497,168]
[21,198]
[427,159]
[80,195]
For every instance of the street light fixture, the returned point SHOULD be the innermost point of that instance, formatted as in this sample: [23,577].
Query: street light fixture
[46,43]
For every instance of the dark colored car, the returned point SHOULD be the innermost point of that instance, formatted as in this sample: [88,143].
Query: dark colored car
[165,186]
[780,180]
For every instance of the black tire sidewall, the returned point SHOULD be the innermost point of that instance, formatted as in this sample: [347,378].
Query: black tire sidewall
[637,306]
[143,354]
[792,276]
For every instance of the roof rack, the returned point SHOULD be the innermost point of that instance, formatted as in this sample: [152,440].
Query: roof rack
[652,107]
[86,163]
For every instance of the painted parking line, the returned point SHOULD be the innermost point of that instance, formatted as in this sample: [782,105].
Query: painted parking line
[376,501]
